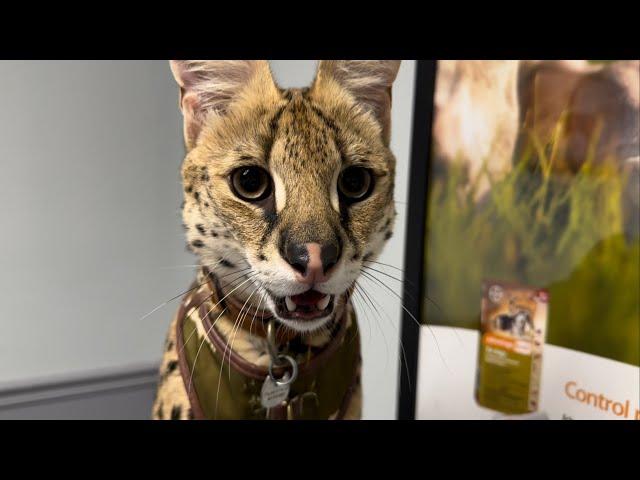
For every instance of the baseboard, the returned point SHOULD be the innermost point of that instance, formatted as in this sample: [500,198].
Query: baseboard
[125,393]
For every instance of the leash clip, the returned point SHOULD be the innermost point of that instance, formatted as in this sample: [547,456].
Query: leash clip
[275,391]
[278,359]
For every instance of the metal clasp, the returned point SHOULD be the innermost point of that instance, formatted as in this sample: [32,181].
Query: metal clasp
[278,359]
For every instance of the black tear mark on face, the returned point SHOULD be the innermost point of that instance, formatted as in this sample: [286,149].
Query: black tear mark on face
[355,257]
[175,412]
[271,218]
[262,258]
[367,256]
[197,243]
[344,215]
[345,222]
[388,235]
[200,228]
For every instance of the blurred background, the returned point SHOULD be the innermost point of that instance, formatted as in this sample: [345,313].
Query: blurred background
[534,180]
[91,237]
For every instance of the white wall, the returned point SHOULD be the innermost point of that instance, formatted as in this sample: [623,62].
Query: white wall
[380,331]
[89,202]
[90,228]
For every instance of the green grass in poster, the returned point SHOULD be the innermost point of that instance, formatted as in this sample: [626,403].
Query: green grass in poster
[544,229]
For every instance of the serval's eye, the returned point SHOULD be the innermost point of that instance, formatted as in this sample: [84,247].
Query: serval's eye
[354,184]
[251,183]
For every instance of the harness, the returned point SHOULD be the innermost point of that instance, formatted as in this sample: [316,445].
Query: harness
[221,384]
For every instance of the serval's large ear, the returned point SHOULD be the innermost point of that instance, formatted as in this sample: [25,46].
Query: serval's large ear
[369,81]
[209,87]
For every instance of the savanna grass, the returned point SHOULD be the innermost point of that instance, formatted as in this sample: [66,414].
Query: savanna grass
[542,226]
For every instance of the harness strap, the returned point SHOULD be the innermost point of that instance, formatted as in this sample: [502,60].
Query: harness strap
[309,371]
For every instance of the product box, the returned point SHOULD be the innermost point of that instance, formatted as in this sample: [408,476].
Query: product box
[512,333]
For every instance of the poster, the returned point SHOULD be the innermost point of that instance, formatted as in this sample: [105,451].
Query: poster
[534,180]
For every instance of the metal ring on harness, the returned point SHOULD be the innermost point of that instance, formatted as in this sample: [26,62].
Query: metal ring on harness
[279,360]
[294,371]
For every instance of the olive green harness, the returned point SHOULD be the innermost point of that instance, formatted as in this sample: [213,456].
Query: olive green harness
[223,385]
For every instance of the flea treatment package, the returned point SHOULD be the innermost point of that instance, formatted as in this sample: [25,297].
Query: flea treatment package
[512,332]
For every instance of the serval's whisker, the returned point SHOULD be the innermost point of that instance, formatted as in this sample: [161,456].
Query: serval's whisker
[404,354]
[264,295]
[213,307]
[223,357]
[193,368]
[403,281]
[372,278]
[170,300]
[241,319]
[373,309]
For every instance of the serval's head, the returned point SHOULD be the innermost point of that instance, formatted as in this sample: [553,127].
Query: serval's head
[287,192]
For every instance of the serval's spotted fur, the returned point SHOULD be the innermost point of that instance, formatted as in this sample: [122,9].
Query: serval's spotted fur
[235,115]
